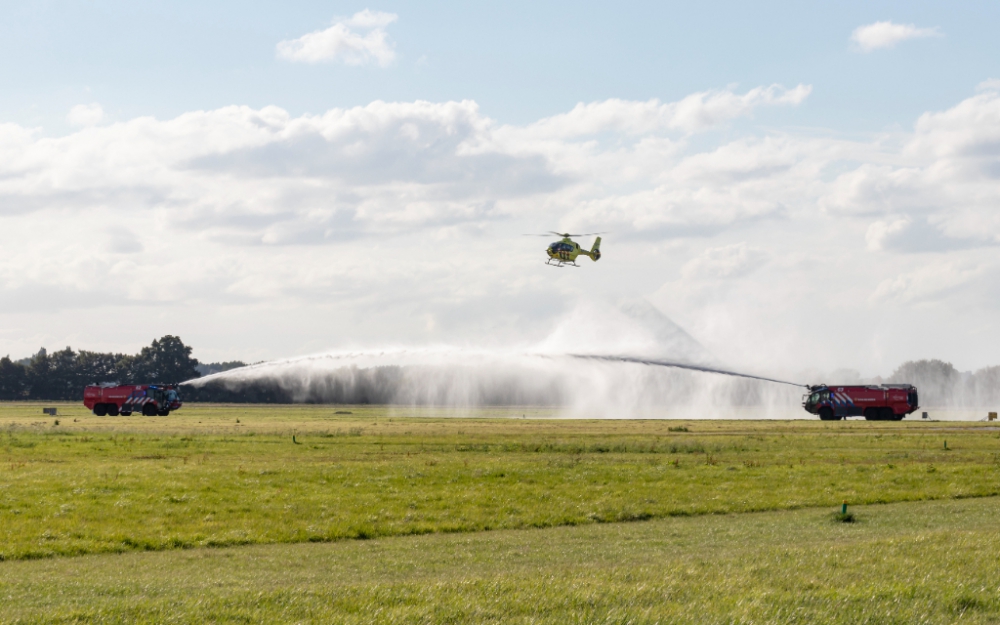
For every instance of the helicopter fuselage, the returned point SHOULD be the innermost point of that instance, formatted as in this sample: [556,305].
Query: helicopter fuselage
[562,253]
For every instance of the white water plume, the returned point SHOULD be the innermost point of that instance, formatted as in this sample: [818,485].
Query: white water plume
[577,368]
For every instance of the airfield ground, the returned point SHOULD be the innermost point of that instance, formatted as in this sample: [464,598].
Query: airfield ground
[381,516]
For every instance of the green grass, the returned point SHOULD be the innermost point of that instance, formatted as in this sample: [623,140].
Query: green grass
[200,479]
[237,514]
[926,562]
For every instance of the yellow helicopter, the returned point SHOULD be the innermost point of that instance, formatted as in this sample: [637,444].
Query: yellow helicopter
[563,253]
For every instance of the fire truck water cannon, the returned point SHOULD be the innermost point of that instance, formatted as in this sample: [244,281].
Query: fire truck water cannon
[149,399]
[887,402]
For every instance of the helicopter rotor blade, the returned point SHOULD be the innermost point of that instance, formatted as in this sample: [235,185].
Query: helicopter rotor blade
[576,234]
[564,235]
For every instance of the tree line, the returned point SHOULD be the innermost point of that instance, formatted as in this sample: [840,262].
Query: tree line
[63,374]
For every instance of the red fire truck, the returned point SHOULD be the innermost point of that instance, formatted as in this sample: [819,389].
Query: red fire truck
[888,402]
[150,399]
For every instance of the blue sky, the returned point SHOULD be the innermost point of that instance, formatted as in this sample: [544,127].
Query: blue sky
[519,60]
[276,179]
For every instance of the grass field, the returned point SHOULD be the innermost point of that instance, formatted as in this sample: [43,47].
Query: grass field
[928,562]
[219,476]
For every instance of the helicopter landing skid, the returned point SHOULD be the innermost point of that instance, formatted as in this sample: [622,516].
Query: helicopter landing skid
[560,263]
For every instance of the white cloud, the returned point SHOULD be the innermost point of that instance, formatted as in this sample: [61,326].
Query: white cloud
[888,34]
[727,262]
[696,112]
[340,43]
[371,19]
[990,84]
[932,282]
[883,231]
[85,115]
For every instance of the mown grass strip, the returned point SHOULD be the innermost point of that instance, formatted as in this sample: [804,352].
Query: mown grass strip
[926,562]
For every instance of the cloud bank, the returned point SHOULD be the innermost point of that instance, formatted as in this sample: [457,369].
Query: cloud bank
[261,234]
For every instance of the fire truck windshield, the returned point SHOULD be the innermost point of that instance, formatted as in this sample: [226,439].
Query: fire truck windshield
[816,397]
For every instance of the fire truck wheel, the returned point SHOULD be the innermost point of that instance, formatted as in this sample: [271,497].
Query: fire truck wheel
[888,414]
[100,410]
[163,413]
[826,414]
[149,410]
[127,413]
[872,414]
[112,410]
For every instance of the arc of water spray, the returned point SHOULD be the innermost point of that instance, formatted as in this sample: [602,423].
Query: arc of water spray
[598,357]
[679,365]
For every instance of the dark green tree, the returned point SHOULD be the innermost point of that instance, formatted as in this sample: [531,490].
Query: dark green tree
[126,370]
[13,380]
[95,367]
[38,376]
[64,380]
[168,360]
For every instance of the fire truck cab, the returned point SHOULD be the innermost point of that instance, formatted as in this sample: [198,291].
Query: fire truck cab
[888,402]
[113,399]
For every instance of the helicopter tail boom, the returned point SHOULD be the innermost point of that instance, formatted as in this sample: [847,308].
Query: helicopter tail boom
[595,251]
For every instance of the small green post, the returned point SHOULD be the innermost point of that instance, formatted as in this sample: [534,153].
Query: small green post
[946,444]
[843,508]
